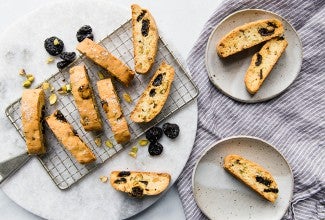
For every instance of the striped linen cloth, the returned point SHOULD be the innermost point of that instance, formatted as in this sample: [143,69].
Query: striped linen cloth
[293,121]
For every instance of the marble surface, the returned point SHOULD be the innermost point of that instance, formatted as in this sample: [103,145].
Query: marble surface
[195,14]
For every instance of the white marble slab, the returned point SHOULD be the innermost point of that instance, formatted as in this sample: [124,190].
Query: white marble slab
[31,187]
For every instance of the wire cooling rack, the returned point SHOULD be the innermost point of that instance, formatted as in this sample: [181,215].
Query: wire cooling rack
[59,164]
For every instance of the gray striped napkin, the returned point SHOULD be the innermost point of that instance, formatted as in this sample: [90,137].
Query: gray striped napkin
[293,121]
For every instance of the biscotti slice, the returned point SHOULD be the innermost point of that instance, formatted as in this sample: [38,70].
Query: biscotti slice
[99,55]
[249,35]
[84,98]
[154,97]
[145,38]
[253,175]
[263,62]
[137,184]
[112,108]
[32,111]
[68,137]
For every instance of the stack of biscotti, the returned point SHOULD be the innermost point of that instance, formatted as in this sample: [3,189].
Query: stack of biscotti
[67,136]
[249,35]
[99,55]
[32,110]
[145,38]
[138,184]
[112,108]
[84,98]
[253,175]
[155,95]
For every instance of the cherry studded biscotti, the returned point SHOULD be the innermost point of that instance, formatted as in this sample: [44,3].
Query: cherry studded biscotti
[68,137]
[253,175]
[263,62]
[112,108]
[84,98]
[99,55]
[154,97]
[138,184]
[145,38]
[32,111]
[249,35]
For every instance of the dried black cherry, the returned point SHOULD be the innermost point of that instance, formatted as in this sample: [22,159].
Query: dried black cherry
[68,56]
[155,148]
[154,134]
[171,130]
[53,45]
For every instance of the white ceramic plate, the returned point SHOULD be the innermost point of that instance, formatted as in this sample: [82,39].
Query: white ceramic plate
[220,196]
[227,74]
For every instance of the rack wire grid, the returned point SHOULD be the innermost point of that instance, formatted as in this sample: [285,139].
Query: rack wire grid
[63,169]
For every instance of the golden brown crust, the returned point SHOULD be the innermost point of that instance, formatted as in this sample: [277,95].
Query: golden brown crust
[263,62]
[253,175]
[137,184]
[112,108]
[66,135]
[249,35]
[144,45]
[155,95]
[84,98]
[32,104]
[105,59]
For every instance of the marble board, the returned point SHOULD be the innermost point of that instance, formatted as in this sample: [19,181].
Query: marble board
[31,187]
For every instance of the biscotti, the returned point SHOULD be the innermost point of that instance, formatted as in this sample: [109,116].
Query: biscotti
[32,110]
[253,175]
[263,62]
[112,108]
[84,98]
[145,38]
[249,35]
[137,184]
[67,136]
[99,55]
[154,97]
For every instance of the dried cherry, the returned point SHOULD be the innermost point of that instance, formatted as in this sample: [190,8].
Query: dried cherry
[154,134]
[68,56]
[84,32]
[53,45]
[171,130]
[145,27]
[155,149]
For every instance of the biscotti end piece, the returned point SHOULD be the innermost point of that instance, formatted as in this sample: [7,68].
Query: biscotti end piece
[249,35]
[263,62]
[145,39]
[32,110]
[99,55]
[138,184]
[111,106]
[84,98]
[253,175]
[69,138]
[155,95]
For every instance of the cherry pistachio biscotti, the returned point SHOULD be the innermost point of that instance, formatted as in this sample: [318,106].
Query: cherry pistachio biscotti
[84,98]
[99,55]
[253,175]
[155,95]
[68,137]
[32,110]
[112,108]
[138,184]
[249,35]
[145,39]
[263,62]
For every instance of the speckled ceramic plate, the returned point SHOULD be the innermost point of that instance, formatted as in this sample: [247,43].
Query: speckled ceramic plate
[227,74]
[220,196]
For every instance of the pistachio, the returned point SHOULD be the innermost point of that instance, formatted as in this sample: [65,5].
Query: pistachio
[143,142]
[103,179]
[45,85]
[109,144]
[22,72]
[49,60]
[98,141]
[53,99]
[101,75]
[68,86]
[63,90]
[127,97]
[133,152]
[30,77]
[27,84]
[56,42]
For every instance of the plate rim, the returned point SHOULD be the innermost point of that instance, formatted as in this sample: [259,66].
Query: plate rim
[214,144]
[251,101]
